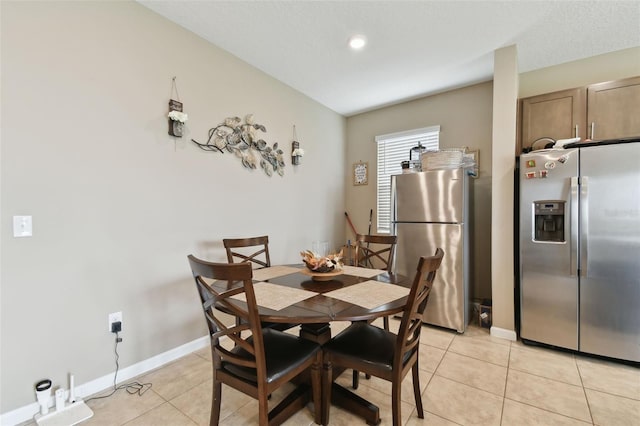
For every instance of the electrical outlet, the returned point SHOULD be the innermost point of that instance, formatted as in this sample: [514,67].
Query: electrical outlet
[115,317]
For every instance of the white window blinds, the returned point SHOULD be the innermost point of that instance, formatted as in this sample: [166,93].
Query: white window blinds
[392,150]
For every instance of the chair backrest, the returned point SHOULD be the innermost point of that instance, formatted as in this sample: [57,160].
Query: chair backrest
[260,244]
[217,298]
[375,250]
[411,324]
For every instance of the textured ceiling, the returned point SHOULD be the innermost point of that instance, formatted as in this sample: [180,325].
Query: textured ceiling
[415,48]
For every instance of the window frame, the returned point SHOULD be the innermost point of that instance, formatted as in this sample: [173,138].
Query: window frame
[389,149]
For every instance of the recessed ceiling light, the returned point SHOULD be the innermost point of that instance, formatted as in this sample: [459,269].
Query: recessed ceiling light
[357,42]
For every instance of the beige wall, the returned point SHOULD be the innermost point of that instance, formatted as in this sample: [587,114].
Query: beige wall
[118,204]
[597,69]
[464,116]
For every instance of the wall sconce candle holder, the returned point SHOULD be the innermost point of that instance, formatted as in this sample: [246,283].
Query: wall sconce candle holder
[296,151]
[177,118]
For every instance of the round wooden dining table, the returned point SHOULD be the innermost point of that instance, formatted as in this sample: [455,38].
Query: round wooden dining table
[292,294]
[316,313]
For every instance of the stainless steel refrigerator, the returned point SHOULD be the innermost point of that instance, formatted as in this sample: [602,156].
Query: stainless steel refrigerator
[429,210]
[580,249]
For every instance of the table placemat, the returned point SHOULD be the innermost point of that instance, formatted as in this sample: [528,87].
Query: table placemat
[264,274]
[357,271]
[369,294]
[275,296]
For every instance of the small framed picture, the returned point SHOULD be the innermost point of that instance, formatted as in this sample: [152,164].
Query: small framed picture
[360,173]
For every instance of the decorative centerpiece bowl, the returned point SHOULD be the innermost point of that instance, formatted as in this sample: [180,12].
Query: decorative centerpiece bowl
[322,267]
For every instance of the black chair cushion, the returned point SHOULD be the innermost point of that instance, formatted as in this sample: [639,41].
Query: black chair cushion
[364,343]
[278,325]
[283,353]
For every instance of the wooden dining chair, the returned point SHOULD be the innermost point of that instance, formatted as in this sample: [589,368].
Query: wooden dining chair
[261,363]
[378,250]
[375,251]
[378,352]
[258,252]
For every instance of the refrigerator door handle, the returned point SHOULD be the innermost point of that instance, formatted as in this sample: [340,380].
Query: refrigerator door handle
[573,211]
[584,224]
[394,201]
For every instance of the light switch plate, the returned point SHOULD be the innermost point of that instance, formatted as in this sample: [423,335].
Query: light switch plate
[22,226]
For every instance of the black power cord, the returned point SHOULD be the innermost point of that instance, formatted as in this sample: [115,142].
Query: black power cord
[132,388]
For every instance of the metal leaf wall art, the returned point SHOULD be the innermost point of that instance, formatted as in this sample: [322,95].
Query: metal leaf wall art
[242,140]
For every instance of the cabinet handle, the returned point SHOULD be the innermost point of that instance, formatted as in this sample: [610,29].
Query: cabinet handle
[593,130]
[576,135]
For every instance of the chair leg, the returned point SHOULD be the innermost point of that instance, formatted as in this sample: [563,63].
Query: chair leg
[263,408]
[327,382]
[238,322]
[356,379]
[395,402]
[385,321]
[416,390]
[216,397]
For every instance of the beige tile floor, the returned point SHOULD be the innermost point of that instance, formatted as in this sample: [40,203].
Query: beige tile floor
[466,379]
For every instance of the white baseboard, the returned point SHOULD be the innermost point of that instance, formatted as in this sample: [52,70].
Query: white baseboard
[27,412]
[503,333]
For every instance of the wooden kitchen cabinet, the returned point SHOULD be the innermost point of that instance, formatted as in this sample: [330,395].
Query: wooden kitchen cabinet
[613,109]
[600,111]
[558,115]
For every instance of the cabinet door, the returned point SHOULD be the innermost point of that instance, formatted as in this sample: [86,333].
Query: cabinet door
[613,109]
[558,115]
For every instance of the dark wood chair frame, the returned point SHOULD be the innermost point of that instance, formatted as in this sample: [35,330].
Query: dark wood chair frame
[383,251]
[235,243]
[246,367]
[341,351]
[233,256]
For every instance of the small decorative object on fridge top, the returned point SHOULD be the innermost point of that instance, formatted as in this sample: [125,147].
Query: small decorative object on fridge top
[450,158]
[415,165]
